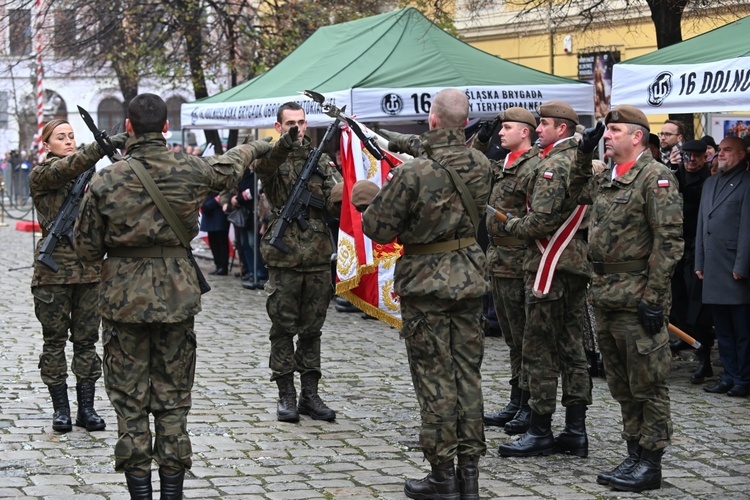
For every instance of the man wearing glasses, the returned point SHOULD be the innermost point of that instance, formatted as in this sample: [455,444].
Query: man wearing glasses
[670,143]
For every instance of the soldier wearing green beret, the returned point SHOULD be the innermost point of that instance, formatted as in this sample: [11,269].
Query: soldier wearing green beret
[635,241]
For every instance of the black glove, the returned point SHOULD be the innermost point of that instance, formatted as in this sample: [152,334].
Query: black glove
[651,318]
[591,138]
[486,128]
[289,138]
[118,140]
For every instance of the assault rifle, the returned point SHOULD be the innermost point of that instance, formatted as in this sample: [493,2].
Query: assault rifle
[62,226]
[297,205]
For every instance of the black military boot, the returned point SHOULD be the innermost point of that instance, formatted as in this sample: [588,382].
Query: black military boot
[86,415]
[538,440]
[61,418]
[468,477]
[573,439]
[502,417]
[286,410]
[139,487]
[627,465]
[521,421]
[309,401]
[171,485]
[704,369]
[440,484]
[646,475]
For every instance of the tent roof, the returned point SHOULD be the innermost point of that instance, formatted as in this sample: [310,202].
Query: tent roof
[726,42]
[401,48]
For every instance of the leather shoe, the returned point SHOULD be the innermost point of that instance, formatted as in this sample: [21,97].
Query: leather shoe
[739,391]
[248,285]
[720,388]
[221,271]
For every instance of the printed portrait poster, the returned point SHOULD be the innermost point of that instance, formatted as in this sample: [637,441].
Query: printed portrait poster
[729,126]
[596,68]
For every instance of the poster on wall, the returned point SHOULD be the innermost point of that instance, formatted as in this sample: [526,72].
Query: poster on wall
[729,126]
[596,67]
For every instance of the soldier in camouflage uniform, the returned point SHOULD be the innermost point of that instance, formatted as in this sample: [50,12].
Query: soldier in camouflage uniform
[149,293]
[553,337]
[512,183]
[66,300]
[635,241]
[440,280]
[299,284]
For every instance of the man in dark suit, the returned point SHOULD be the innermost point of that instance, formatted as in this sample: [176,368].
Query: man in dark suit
[722,261]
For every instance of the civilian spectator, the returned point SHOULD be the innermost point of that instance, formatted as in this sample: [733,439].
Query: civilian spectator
[214,222]
[722,261]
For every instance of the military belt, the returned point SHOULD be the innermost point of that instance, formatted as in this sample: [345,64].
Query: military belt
[439,247]
[154,252]
[507,241]
[628,266]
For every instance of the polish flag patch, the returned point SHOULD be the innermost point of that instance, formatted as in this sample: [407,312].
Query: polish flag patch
[548,175]
[389,175]
[663,183]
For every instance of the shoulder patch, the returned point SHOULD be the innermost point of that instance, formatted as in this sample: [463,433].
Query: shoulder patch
[663,183]
[389,176]
[548,175]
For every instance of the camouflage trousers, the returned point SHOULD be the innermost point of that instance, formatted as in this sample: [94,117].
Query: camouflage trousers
[297,304]
[553,344]
[150,368]
[445,346]
[63,308]
[508,295]
[637,366]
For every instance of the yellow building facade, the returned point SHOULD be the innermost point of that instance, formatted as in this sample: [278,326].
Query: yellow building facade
[552,38]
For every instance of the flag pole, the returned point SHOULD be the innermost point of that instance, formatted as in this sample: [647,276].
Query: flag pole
[39,80]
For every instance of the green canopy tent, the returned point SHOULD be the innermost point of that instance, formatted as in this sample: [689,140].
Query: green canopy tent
[385,68]
[707,73]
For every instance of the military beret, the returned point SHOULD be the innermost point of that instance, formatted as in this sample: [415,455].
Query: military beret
[627,114]
[363,192]
[695,146]
[557,109]
[518,115]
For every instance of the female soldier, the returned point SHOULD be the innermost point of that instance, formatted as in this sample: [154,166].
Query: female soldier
[66,300]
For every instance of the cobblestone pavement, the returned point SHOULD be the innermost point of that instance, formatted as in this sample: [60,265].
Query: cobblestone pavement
[241,451]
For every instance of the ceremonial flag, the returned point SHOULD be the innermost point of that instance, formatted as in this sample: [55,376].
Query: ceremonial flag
[364,269]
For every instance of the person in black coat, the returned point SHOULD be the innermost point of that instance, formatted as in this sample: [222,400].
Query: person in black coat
[688,312]
[214,222]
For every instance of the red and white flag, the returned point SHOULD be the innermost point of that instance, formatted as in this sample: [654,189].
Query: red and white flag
[364,269]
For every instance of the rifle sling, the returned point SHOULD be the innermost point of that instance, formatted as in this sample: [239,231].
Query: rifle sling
[161,202]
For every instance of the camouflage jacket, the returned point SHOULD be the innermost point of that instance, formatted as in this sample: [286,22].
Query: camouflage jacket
[549,206]
[420,204]
[50,184]
[117,211]
[637,216]
[309,249]
[511,185]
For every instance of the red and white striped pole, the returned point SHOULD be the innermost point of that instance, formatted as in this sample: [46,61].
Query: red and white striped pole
[39,78]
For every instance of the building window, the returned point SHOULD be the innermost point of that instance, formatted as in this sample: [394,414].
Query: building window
[173,112]
[65,33]
[3,109]
[111,115]
[20,32]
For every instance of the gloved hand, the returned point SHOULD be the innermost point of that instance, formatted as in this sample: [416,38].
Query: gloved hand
[118,140]
[363,192]
[337,193]
[591,138]
[511,222]
[484,134]
[288,139]
[392,146]
[651,317]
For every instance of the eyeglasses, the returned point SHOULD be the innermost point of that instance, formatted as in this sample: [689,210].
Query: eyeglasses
[666,134]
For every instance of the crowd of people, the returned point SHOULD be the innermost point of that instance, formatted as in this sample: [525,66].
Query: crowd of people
[649,237]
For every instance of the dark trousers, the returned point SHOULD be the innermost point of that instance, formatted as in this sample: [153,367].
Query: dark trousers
[732,325]
[218,241]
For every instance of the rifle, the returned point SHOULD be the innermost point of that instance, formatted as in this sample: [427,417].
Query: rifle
[295,208]
[62,226]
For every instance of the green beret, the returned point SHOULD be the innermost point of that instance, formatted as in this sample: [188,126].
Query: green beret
[518,115]
[557,109]
[627,114]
